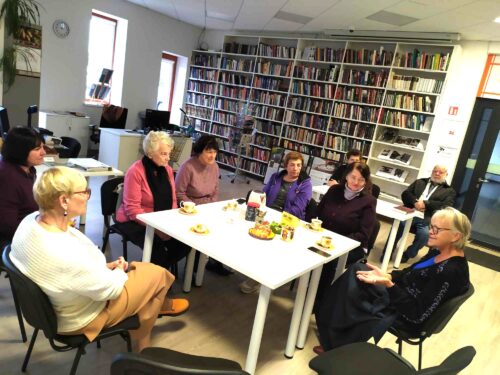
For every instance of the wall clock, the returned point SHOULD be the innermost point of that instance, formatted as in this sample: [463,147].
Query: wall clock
[61,28]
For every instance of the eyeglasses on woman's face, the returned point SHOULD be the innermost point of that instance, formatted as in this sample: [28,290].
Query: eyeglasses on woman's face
[437,230]
[87,191]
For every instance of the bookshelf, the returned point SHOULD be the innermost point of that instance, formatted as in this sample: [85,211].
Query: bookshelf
[323,97]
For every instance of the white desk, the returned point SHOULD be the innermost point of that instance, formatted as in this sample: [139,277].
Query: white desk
[120,148]
[271,263]
[386,209]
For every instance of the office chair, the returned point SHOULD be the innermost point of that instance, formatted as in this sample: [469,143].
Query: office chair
[435,324]
[345,360]
[72,148]
[39,313]
[162,361]
[112,117]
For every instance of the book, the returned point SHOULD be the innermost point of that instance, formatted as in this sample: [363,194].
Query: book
[395,156]
[392,173]
[389,135]
[89,164]
[409,142]
[106,75]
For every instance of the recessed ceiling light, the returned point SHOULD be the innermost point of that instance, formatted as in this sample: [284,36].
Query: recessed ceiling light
[497,20]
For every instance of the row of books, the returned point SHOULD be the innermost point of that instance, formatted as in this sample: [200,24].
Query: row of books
[354,129]
[226,159]
[364,77]
[269,83]
[313,89]
[268,127]
[422,60]
[392,173]
[265,141]
[233,92]
[206,74]
[275,69]
[270,113]
[406,120]
[208,88]
[204,113]
[225,118]
[209,61]
[277,51]
[301,147]
[313,53]
[266,97]
[221,130]
[356,112]
[237,64]
[412,102]
[204,100]
[392,136]
[305,135]
[254,167]
[235,79]
[307,120]
[359,94]
[413,83]
[345,144]
[227,104]
[259,154]
[201,125]
[395,156]
[304,103]
[239,48]
[319,74]
[371,57]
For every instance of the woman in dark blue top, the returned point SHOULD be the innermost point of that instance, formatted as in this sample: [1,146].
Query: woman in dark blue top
[373,299]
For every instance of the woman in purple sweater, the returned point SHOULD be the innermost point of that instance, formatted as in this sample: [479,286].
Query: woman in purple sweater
[21,152]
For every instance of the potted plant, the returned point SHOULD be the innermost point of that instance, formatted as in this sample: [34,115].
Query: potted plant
[18,14]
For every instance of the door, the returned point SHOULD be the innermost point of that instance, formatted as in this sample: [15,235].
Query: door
[477,180]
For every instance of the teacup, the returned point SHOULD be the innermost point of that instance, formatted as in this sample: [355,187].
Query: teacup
[316,224]
[326,241]
[188,207]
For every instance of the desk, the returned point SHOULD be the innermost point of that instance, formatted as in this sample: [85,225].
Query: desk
[271,263]
[120,148]
[386,209]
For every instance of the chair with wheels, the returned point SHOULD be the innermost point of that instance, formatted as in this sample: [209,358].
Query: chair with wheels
[72,148]
[345,360]
[39,313]
[162,361]
[435,324]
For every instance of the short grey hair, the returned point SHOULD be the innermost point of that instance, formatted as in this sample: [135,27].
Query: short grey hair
[459,224]
[154,139]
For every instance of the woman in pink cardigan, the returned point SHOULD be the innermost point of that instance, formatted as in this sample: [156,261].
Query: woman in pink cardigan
[149,186]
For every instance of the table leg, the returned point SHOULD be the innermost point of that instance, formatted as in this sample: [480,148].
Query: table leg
[258,329]
[340,266]
[296,315]
[390,244]
[402,242]
[308,307]
[148,244]
[188,275]
[200,271]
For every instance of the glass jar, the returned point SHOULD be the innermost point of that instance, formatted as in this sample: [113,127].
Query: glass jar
[251,211]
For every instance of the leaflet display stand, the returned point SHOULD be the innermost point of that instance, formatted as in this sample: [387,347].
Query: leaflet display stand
[240,138]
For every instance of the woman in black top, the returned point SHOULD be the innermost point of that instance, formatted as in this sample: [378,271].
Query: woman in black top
[373,299]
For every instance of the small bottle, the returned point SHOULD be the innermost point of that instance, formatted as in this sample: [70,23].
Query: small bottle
[251,211]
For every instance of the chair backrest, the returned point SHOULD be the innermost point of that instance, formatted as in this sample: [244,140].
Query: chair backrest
[311,210]
[109,195]
[35,305]
[176,364]
[113,117]
[453,364]
[373,236]
[375,190]
[73,146]
[438,320]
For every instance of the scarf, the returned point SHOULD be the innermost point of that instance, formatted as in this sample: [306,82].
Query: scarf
[159,183]
[350,194]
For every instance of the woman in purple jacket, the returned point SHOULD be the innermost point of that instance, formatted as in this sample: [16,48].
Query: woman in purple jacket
[291,189]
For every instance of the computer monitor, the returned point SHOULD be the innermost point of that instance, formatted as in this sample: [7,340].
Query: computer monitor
[4,122]
[158,120]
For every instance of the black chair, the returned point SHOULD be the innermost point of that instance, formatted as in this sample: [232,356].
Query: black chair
[161,361]
[16,301]
[112,117]
[109,199]
[364,358]
[72,150]
[435,324]
[39,313]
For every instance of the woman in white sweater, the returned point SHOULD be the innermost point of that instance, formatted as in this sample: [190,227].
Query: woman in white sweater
[87,293]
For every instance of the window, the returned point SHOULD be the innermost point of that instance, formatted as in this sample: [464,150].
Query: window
[107,38]
[167,82]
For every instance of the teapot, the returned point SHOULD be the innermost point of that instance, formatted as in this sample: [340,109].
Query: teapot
[257,196]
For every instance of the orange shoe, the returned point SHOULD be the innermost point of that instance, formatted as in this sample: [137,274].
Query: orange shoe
[178,307]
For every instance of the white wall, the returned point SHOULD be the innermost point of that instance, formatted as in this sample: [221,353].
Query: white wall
[64,61]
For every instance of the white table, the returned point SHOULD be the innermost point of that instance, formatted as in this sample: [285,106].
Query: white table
[386,209]
[271,263]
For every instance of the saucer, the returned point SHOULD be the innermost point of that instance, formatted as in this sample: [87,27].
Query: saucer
[324,247]
[308,226]
[181,210]
[200,233]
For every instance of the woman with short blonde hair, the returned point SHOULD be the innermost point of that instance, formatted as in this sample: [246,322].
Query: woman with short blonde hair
[87,293]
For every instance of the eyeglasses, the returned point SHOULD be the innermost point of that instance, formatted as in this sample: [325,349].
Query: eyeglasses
[87,191]
[434,229]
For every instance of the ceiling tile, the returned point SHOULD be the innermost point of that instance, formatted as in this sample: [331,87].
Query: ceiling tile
[391,18]
[218,24]
[487,10]
[191,11]
[223,9]
[413,9]
[164,7]
[309,8]
[255,14]
[448,22]
[282,25]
